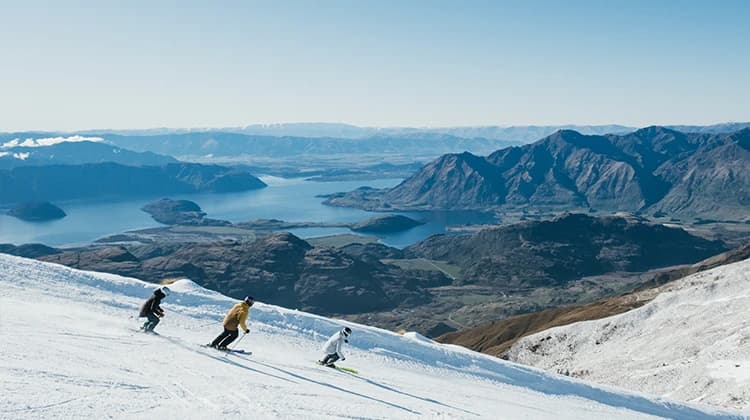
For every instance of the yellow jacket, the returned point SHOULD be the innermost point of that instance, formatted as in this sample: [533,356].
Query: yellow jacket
[237,316]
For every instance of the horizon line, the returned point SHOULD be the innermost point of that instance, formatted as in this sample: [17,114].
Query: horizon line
[374,127]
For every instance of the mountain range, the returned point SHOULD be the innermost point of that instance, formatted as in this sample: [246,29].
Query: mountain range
[102,180]
[218,144]
[654,170]
[516,133]
[321,139]
[40,168]
[76,153]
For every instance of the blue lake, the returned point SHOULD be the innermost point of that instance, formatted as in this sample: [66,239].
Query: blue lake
[293,200]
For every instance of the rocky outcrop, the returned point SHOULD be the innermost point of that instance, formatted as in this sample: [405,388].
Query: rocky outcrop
[37,211]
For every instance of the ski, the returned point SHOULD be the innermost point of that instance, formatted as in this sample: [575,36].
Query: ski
[228,351]
[340,369]
[237,351]
[348,370]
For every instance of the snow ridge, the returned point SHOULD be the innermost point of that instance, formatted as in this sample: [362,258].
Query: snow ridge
[691,343]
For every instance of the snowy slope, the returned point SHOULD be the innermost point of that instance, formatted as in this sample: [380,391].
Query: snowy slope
[70,349]
[691,343]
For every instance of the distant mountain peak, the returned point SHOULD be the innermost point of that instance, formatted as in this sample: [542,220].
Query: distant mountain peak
[655,130]
[642,171]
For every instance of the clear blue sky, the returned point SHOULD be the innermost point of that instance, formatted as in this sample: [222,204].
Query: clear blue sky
[382,63]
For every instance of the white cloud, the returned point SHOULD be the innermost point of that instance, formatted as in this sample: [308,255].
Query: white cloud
[22,156]
[4,154]
[47,141]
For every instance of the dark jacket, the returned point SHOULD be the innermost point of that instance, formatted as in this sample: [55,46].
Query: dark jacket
[151,306]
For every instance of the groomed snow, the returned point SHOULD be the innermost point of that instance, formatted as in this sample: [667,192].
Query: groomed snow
[691,343]
[71,349]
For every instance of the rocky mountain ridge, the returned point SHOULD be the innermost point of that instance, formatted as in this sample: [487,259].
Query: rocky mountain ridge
[654,170]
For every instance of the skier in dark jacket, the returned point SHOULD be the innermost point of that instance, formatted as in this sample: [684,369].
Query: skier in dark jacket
[152,310]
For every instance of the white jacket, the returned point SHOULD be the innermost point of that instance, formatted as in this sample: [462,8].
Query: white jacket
[334,345]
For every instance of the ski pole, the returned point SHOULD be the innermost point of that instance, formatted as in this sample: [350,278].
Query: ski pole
[238,341]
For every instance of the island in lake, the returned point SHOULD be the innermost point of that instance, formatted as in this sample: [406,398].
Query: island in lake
[180,212]
[37,211]
[187,222]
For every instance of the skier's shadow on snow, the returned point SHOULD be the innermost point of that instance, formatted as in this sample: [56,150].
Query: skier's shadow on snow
[240,365]
[429,400]
[227,361]
[292,374]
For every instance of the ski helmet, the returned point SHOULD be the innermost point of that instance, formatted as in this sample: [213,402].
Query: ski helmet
[346,331]
[165,290]
[249,300]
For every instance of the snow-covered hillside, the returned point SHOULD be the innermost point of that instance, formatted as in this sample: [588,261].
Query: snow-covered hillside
[691,343]
[70,349]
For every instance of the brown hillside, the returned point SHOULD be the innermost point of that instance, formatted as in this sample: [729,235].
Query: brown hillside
[497,337]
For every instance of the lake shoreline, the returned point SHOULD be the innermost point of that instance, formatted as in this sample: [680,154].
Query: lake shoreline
[295,201]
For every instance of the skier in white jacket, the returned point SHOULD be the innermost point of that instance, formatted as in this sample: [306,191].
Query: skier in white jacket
[332,347]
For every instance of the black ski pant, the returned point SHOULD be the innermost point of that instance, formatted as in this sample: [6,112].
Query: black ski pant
[151,322]
[226,338]
[330,359]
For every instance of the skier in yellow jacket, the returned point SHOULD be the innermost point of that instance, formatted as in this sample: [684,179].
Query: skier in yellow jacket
[236,317]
